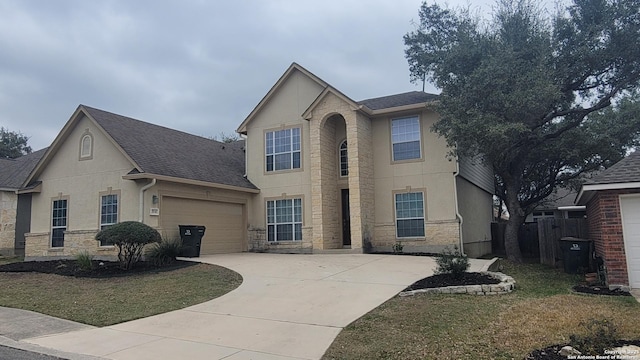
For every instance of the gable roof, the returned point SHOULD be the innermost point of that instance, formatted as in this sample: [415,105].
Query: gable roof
[162,153]
[397,100]
[625,174]
[14,172]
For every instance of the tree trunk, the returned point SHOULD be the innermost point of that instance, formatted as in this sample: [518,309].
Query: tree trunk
[516,218]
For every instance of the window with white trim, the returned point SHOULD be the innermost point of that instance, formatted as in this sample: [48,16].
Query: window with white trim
[344,159]
[409,214]
[58,222]
[282,149]
[405,138]
[284,220]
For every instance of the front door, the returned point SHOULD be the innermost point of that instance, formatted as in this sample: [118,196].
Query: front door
[346,219]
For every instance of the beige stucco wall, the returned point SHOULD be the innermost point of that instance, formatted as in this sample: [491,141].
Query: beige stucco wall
[8,208]
[282,111]
[433,174]
[475,206]
[81,181]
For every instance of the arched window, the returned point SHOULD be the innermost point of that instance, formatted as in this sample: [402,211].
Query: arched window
[86,146]
[344,160]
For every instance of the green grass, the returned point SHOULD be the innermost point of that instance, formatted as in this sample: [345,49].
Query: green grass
[102,302]
[9,259]
[542,311]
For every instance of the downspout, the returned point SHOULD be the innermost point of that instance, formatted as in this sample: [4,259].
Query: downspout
[455,199]
[144,188]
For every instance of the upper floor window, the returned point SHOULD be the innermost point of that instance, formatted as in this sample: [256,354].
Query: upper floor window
[86,146]
[344,159]
[282,149]
[284,220]
[409,214]
[58,222]
[405,137]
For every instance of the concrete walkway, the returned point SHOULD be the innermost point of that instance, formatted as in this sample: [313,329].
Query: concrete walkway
[288,307]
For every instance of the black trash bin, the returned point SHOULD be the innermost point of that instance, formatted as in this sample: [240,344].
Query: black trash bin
[191,236]
[575,254]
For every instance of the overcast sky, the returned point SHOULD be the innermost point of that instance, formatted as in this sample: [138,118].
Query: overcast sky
[198,66]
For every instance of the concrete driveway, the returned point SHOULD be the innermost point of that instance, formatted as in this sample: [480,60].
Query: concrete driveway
[288,307]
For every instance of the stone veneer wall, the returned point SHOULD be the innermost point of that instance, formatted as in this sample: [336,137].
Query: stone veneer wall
[605,229]
[76,241]
[258,242]
[438,235]
[8,208]
[361,180]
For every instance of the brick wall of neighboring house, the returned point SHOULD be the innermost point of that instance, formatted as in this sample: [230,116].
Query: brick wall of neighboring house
[8,208]
[605,229]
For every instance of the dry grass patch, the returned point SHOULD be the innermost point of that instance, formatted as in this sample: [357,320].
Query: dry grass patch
[541,311]
[108,301]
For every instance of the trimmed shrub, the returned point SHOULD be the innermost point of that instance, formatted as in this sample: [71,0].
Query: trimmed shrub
[452,262]
[129,237]
[164,252]
[84,261]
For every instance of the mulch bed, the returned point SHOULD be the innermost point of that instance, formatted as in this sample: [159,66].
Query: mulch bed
[599,290]
[443,280]
[551,352]
[101,269]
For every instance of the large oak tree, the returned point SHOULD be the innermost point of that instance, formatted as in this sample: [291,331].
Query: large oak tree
[13,144]
[531,93]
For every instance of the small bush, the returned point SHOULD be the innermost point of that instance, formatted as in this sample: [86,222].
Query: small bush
[398,247]
[452,262]
[601,335]
[130,237]
[84,261]
[164,252]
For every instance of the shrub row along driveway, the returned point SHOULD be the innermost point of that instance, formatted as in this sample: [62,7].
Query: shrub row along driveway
[288,306]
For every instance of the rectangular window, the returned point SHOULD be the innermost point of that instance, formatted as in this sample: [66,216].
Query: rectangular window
[409,215]
[284,220]
[282,149]
[108,212]
[405,138]
[58,222]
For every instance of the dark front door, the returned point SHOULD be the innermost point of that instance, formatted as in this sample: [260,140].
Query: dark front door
[346,219]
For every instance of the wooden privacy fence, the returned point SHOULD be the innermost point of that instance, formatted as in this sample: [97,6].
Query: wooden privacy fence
[541,239]
[550,231]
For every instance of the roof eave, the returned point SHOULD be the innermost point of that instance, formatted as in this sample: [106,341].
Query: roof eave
[189,182]
[409,107]
[331,90]
[587,191]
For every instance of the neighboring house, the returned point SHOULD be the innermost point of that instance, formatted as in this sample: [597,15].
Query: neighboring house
[559,206]
[613,214]
[15,208]
[104,168]
[335,173]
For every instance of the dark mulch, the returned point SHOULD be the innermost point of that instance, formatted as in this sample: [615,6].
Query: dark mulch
[101,269]
[551,352]
[442,280]
[599,290]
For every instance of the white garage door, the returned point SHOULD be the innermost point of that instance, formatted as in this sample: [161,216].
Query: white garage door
[630,209]
[224,222]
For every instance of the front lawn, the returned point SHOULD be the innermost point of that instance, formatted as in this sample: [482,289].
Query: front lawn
[542,311]
[108,301]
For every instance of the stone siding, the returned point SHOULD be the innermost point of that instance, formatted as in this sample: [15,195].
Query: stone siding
[258,242]
[8,211]
[37,245]
[439,235]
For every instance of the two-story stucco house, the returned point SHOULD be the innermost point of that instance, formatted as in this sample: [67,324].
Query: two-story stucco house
[317,171]
[335,173]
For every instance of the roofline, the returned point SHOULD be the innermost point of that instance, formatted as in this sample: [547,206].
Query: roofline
[403,108]
[188,181]
[242,129]
[573,207]
[9,189]
[62,136]
[588,189]
[31,189]
[330,89]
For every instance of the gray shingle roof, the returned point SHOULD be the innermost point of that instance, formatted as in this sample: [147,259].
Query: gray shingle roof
[408,98]
[625,170]
[163,151]
[14,172]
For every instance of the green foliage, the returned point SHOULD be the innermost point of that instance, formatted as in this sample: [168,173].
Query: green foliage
[601,335]
[398,247]
[84,261]
[530,94]
[164,252]
[452,262]
[13,144]
[130,237]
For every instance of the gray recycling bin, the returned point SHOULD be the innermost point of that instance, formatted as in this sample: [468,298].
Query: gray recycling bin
[575,254]
[191,236]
